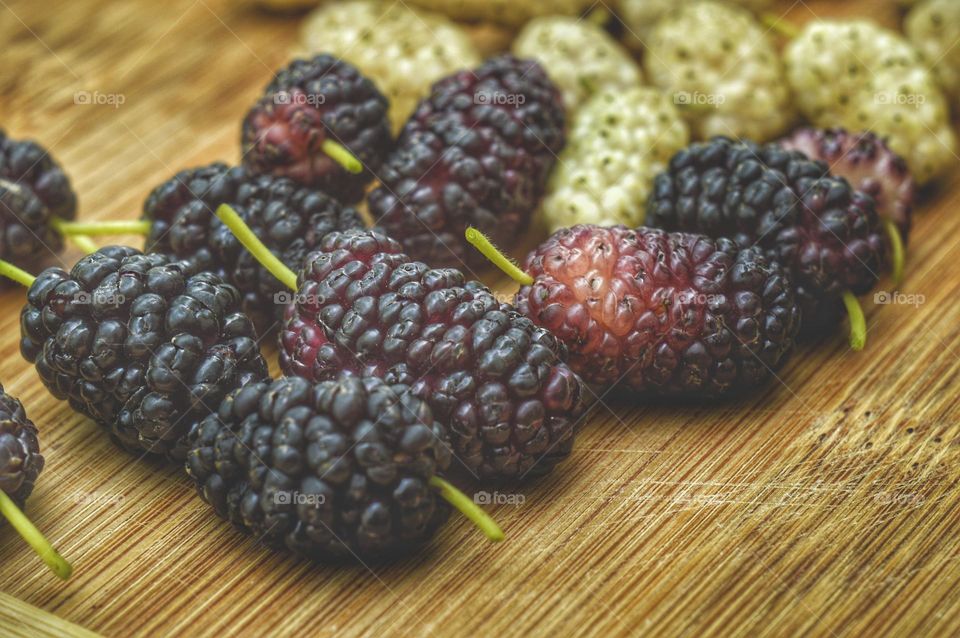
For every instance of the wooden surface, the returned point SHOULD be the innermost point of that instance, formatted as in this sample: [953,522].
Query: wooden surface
[827,503]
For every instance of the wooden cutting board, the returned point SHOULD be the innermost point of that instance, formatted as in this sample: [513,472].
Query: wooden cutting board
[825,503]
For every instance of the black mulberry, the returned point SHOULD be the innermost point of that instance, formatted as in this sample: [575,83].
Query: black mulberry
[332,470]
[476,152]
[826,233]
[139,343]
[290,219]
[311,108]
[34,191]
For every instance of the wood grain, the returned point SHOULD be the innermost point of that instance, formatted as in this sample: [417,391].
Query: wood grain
[827,503]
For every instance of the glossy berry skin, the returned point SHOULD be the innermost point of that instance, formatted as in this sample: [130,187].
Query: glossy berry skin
[496,382]
[310,101]
[864,160]
[139,343]
[20,459]
[662,314]
[33,190]
[476,152]
[824,232]
[333,470]
[288,218]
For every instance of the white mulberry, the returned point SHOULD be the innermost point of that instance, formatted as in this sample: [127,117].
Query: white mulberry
[934,28]
[618,142]
[860,76]
[580,57]
[403,50]
[721,68]
[640,16]
[508,12]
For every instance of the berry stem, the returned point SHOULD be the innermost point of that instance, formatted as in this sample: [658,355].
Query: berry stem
[780,26]
[84,243]
[501,261]
[232,220]
[339,154]
[858,324]
[118,227]
[10,271]
[34,538]
[468,508]
[896,247]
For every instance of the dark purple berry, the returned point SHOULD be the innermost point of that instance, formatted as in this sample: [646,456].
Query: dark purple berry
[329,470]
[477,152]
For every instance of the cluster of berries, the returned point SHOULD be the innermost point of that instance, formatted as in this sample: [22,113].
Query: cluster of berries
[675,269]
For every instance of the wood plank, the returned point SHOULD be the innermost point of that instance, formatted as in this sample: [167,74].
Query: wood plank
[827,503]
[20,620]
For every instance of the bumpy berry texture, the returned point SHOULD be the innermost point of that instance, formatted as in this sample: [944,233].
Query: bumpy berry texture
[290,219]
[933,27]
[859,76]
[826,233]
[333,470]
[403,50]
[495,381]
[618,142]
[720,67]
[580,57]
[864,160]
[20,459]
[641,16]
[33,190]
[507,12]
[309,102]
[477,152]
[664,314]
[139,344]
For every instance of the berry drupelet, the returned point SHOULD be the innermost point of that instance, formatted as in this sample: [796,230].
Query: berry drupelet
[139,343]
[493,379]
[321,123]
[34,193]
[658,313]
[337,469]
[20,466]
[823,231]
[289,218]
[476,152]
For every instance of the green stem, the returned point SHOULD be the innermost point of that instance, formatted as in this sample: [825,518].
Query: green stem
[84,243]
[252,243]
[468,508]
[34,538]
[339,154]
[501,261]
[118,227]
[776,23]
[896,247]
[10,271]
[858,324]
